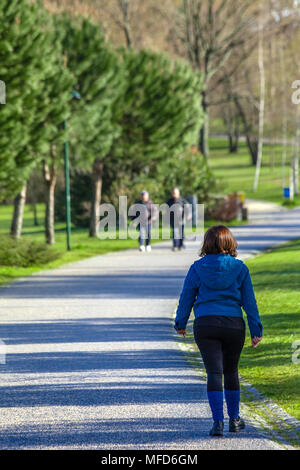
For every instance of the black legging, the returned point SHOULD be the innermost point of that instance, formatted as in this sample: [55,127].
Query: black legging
[220,350]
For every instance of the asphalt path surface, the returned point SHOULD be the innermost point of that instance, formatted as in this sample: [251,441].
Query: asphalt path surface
[92,361]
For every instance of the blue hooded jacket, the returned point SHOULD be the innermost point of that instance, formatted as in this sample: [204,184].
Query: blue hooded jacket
[218,285]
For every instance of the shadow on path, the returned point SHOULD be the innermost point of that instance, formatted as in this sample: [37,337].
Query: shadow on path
[143,433]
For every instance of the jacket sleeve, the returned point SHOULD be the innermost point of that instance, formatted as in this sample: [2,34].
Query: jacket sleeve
[250,306]
[187,299]
[153,212]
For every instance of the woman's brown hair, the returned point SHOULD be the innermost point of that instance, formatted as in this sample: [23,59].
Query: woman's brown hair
[219,239]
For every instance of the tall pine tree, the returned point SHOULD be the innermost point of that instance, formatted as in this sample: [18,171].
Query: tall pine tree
[100,82]
[27,57]
[23,47]
[58,87]
[160,112]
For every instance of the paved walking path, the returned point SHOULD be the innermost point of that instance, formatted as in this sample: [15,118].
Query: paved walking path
[92,361]
[259,210]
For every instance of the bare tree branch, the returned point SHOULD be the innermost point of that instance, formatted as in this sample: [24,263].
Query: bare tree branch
[124,6]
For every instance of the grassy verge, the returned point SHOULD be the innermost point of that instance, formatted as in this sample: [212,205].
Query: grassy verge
[276,279]
[237,174]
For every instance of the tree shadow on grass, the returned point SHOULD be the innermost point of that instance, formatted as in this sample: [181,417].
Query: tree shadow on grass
[280,331]
[287,278]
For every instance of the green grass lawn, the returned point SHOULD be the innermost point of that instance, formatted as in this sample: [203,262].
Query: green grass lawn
[276,280]
[236,173]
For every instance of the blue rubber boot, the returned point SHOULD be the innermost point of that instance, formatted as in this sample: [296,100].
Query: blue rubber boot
[232,398]
[215,399]
[216,405]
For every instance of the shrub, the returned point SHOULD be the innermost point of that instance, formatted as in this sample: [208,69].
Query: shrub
[224,208]
[190,173]
[25,253]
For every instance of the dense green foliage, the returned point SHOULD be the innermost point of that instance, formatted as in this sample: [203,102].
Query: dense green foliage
[190,173]
[160,116]
[160,112]
[99,81]
[26,59]
[25,253]
[81,194]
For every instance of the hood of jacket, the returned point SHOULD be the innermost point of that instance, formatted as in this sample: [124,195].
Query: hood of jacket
[219,271]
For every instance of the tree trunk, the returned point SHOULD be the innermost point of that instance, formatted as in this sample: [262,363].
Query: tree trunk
[17,220]
[230,141]
[227,118]
[50,207]
[50,180]
[272,86]
[35,216]
[96,198]
[253,149]
[297,150]
[292,180]
[261,67]
[251,142]
[125,7]
[233,144]
[204,132]
[284,113]
[236,136]
[231,122]
[233,138]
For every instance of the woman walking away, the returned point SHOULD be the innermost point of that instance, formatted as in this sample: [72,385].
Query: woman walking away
[217,286]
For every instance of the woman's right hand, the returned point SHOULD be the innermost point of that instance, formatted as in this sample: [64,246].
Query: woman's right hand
[255,341]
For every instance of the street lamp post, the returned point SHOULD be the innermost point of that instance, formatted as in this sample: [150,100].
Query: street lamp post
[76,96]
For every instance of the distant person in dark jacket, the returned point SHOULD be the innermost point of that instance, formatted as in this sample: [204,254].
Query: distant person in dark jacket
[177,206]
[147,217]
[218,286]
